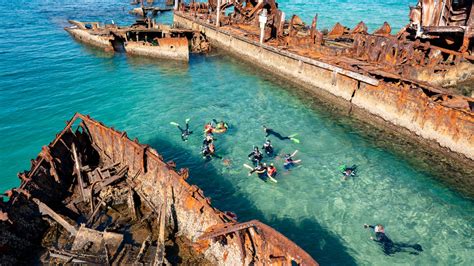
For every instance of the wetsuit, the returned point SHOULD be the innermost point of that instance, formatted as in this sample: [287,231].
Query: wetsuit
[185,132]
[288,162]
[268,148]
[255,156]
[270,131]
[260,170]
[389,247]
[349,171]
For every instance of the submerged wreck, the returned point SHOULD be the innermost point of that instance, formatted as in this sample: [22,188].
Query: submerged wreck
[94,196]
[143,38]
[401,78]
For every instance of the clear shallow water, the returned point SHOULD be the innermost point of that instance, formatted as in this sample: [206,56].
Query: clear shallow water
[45,77]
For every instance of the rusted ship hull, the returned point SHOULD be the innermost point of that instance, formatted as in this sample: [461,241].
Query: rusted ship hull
[170,48]
[134,40]
[425,110]
[83,35]
[130,204]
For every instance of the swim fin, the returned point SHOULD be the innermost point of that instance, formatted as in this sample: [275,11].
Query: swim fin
[187,120]
[293,135]
[295,140]
[174,123]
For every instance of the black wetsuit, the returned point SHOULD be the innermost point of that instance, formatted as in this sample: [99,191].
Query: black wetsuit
[260,169]
[270,131]
[268,148]
[256,156]
[185,132]
[389,247]
[349,171]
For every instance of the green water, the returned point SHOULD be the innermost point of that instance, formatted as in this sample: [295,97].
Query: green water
[45,77]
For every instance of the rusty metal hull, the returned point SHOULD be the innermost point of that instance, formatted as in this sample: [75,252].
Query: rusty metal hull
[85,172]
[417,107]
[168,48]
[103,42]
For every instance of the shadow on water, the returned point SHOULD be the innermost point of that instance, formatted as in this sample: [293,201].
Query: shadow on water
[324,249]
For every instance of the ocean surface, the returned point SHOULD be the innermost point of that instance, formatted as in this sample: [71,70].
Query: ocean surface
[45,76]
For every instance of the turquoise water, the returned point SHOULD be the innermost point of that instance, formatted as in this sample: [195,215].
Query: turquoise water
[45,77]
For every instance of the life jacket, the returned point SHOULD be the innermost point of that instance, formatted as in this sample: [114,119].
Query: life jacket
[272,170]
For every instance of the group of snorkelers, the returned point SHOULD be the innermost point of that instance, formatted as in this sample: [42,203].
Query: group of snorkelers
[208,148]
[269,171]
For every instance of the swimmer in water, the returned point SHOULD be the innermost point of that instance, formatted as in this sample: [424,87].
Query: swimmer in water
[348,171]
[184,132]
[389,247]
[268,148]
[269,131]
[220,127]
[260,169]
[255,156]
[289,161]
[271,171]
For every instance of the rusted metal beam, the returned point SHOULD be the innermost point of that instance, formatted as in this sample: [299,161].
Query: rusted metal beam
[160,244]
[77,165]
[45,210]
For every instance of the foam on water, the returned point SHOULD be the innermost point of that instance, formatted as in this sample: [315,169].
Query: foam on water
[45,77]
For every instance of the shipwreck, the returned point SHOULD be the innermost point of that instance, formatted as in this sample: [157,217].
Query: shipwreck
[406,79]
[94,196]
[143,38]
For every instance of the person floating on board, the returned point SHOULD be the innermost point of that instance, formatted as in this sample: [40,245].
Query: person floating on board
[289,161]
[184,132]
[348,171]
[220,127]
[270,131]
[268,148]
[389,247]
[260,169]
[255,156]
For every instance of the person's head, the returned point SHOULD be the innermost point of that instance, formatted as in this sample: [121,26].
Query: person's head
[269,141]
[379,228]
[264,128]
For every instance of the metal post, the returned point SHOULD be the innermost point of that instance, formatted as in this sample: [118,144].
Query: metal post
[218,13]
[263,20]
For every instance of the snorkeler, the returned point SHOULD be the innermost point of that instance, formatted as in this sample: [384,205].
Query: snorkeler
[348,171]
[208,129]
[289,161]
[208,151]
[255,156]
[271,172]
[208,140]
[260,169]
[268,148]
[219,127]
[270,131]
[184,132]
[388,246]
